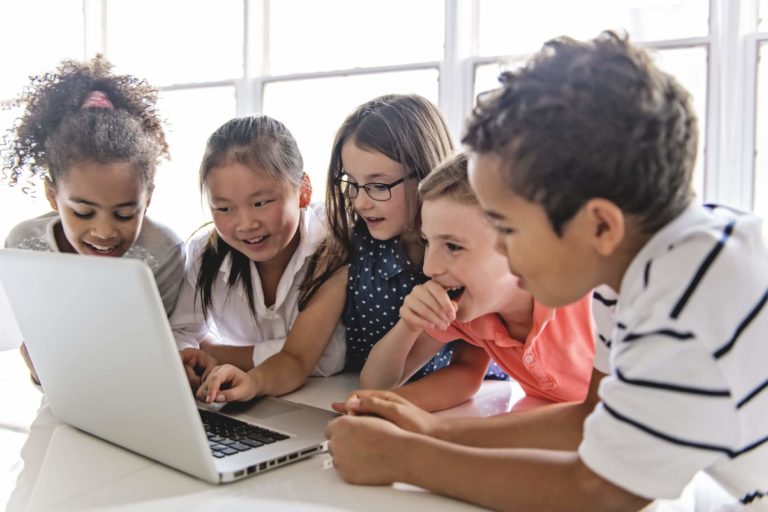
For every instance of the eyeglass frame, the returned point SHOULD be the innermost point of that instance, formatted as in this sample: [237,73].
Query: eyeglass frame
[357,186]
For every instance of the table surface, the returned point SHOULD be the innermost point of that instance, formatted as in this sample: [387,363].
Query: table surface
[47,465]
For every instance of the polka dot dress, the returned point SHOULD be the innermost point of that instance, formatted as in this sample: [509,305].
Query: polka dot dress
[380,277]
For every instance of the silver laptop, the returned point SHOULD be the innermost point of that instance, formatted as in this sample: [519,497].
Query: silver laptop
[100,341]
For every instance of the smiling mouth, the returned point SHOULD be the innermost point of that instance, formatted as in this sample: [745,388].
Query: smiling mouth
[456,292]
[257,240]
[101,249]
[374,219]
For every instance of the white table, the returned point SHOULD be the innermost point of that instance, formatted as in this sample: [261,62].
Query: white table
[50,466]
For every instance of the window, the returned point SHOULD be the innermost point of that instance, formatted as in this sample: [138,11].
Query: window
[309,63]
[760,191]
[314,109]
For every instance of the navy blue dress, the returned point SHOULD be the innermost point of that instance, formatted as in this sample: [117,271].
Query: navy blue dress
[380,277]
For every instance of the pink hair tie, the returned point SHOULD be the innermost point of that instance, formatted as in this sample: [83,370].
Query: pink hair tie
[96,99]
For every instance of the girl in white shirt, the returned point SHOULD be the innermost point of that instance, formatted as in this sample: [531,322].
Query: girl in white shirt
[240,293]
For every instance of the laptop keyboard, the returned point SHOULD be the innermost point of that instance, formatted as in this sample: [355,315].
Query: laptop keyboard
[228,436]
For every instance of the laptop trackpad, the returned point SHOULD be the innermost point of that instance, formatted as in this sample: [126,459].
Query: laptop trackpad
[269,408]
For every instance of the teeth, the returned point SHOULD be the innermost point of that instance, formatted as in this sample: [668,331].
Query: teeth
[102,248]
[256,240]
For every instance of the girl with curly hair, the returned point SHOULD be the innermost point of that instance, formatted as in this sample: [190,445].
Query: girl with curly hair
[95,139]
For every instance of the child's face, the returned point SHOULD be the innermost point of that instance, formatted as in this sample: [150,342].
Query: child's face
[460,253]
[101,206]
[556,270]
[253,213]
[385,219]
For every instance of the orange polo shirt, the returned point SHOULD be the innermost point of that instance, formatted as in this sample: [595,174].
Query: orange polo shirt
[553,363]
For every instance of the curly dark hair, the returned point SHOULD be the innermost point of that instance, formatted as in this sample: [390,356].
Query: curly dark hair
[54,132]
[591,119]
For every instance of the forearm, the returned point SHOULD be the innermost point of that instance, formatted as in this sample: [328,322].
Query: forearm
[449,386]
[242,357]
[517,480]
[279,374]
[386,363]
[554,427]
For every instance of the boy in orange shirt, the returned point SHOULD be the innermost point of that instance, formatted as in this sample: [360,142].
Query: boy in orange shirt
[472,296]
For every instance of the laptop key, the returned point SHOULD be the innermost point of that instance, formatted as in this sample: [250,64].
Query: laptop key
[218,455]
[241,447]
[229,451]
[251,442]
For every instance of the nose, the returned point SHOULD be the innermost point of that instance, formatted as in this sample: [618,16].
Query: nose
[246,221]
[103,229]
[362,201]
[432,266]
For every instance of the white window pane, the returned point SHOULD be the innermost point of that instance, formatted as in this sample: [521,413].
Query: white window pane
[314,123]
[307,35]
[176,41]
[515,27]
[763,11]
[688,65]
[36,36]
[761,157]
[192,115]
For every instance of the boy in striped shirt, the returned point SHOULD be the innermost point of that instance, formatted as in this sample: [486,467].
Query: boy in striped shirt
[583,160]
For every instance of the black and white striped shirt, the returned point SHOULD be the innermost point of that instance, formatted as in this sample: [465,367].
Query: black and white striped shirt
[685,345]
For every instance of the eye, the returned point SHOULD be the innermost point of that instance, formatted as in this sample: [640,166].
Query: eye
[124,218]
[377,187]
[259,204]
[221,209]
[504,231]
[453,247]
[80,215]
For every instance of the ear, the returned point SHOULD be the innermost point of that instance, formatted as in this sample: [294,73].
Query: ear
[149,197]
[606,223]
[50,194]
[305,191]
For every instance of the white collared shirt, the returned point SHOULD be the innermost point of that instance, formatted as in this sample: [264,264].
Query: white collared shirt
[230,319]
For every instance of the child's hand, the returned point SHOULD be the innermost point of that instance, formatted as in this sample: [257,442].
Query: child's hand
[389,406]
[197,365]
[227,383]
[428,305]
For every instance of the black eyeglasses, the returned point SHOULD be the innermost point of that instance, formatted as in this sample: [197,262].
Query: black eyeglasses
[376,191]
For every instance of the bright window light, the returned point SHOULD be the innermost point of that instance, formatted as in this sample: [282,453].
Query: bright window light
[760,197]
[514,27]
[29,49]
[176,41]
[342,34]
[314,122]
[192,115]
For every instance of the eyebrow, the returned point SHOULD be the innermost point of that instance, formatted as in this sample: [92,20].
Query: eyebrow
[374,176]
[97,205]
[448,237]
[494,215]
[260,193]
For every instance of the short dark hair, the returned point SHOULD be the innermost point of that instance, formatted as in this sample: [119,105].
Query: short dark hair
[591,119]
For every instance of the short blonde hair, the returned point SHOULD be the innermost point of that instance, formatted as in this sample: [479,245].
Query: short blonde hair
[449,179]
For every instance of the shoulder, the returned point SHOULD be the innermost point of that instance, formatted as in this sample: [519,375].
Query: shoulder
[157,245]
[32,234]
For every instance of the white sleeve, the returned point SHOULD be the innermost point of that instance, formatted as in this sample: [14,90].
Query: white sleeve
[187,321]
[603,312]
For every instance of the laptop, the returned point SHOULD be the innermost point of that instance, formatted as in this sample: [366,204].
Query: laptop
[99,338]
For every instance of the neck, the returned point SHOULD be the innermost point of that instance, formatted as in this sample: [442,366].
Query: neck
[270,272]
[518,317]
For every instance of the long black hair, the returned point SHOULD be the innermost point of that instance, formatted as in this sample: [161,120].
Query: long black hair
[255,141]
